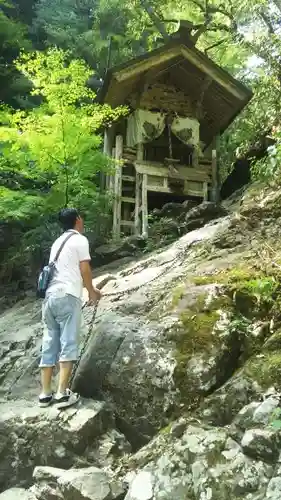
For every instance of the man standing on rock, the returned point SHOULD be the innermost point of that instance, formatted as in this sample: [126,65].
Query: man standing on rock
[62,308]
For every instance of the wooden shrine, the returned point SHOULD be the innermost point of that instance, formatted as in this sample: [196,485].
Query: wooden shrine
[180,103]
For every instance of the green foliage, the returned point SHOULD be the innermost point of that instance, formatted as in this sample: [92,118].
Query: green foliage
[268,168]
[56,147]
[57,140]
[243,37]
[85,27]
[53,151]
[265,369]
[275,421]
[13,38]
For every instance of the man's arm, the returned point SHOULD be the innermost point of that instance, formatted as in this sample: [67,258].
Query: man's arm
[86,273]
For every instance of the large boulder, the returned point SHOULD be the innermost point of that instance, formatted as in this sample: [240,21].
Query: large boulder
[161,347]
[17,494]
[262,444]
[203,463]
[194,460]
[20,340]
[173,210]
[116,250]
[30,436]
[202,214]
[89,483]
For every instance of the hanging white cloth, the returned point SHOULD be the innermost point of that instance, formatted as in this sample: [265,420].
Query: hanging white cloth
[187,130]
[144,126]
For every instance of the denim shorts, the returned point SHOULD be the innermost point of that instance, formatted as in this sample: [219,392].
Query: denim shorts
[62,323]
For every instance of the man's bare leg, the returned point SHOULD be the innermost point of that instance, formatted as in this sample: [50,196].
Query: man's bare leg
[64,375]
[46,379]
[65,397]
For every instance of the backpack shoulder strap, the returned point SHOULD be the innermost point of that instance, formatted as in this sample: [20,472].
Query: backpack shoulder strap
[62,245]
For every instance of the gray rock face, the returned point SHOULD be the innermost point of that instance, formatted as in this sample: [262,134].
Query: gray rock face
[17,494]
[115,251]
[182,372]
[89,483]
[77,437]
[141,487]
[202,214]
[204,463]
[261,444]
[20,338]
[193,460]
[140,349]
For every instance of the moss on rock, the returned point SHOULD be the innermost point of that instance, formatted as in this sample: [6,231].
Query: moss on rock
[255,293]
[228,276]
[273,343]
[196,334]
[265,369]
[197,330]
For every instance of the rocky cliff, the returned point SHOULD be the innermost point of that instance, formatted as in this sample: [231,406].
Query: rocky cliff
[180,377]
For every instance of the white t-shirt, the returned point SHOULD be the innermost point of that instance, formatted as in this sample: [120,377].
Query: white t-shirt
[67,277]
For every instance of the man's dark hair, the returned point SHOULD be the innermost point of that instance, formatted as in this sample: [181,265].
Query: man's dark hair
[68,218]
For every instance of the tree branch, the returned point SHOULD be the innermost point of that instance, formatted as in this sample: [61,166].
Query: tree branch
[208,11]
[267,22]
[155,19]
[220,10]
[219,27]
[220,42]
[53,157]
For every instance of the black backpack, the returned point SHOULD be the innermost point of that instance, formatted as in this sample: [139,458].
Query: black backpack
[47,272]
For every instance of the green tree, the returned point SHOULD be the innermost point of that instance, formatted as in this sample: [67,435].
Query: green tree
[13,39]
[53,154]
[90,29]
[58,140]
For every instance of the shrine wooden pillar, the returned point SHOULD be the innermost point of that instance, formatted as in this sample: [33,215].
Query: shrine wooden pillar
[117,187]
[215,172]
[107,149]
[137,204]
[139,195]
[144,206]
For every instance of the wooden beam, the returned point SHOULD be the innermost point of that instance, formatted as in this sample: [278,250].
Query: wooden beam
[144,206]
[137,204]
[215,193]
[207,81]
[157,169]
[111,183]
[216,73]
[126,223]
[127,199]
[218,167]
[108,142]
[128,178]
[147,64]
[140,153]
[187,191]
[107,149]
[195,157]
[205,191]
[117,187]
